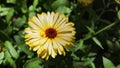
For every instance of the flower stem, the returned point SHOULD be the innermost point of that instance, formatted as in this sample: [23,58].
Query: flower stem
[103,29]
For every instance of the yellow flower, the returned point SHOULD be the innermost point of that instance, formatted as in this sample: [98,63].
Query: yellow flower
[85,3]
[50,34]
[117,1]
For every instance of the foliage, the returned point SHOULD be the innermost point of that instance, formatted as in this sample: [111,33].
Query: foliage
[97,42]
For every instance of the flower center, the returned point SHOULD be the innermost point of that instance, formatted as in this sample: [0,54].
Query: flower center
[51,33]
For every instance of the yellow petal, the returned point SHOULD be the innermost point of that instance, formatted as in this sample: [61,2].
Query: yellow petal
[36,48]
[43,56]
[53,53]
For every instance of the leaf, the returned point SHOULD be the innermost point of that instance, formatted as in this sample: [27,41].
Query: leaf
[93,65]
[117,45]
[87,36]
[35,3]
[31,8]
[118,66]
[58,3]
[64,10]
[75,57]
[26,50]
[9,14]
[3,11]
[89,61]
[97,42]
[78,65]
[8,59]
[11,49]
[81,45]
[107,63]
[18,39]
[1,61]
[3,36]
[90,30]
[8,30]
[21,21]
[118,14]
[31,11]
[33,63]
[11,1]
[1,55]
[110,44]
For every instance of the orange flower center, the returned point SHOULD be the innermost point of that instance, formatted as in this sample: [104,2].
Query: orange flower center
[51,33]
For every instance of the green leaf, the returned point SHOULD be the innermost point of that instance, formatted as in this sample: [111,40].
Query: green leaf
[35,3]
[118,14]
[18,39]
[8,59]
[3,36]
[75,57]
[1,61]
[31,14]
[118,66]
[93,65]
[110,44]
[59,3]
[31,11]
[107,63]
[26,50]
[81,45]
[3,11]
[11,49]
[11,1]
[87,36]
[33,63]
[89,61]
[8,30]
[9,14]
[117,45]
[90,30]
[38,9]
[31,8]
[64,10]
[97,42]
[1,55]
[21,21]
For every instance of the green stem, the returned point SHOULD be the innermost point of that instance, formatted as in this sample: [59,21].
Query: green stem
[103,29]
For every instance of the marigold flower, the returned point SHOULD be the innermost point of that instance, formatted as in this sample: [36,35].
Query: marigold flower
[85,3]
[50,34]
[117,1]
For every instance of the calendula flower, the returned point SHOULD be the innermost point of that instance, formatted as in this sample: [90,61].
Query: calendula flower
[50,34]
[85,3]
[117,1]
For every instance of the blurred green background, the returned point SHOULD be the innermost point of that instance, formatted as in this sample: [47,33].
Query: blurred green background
[97,24]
